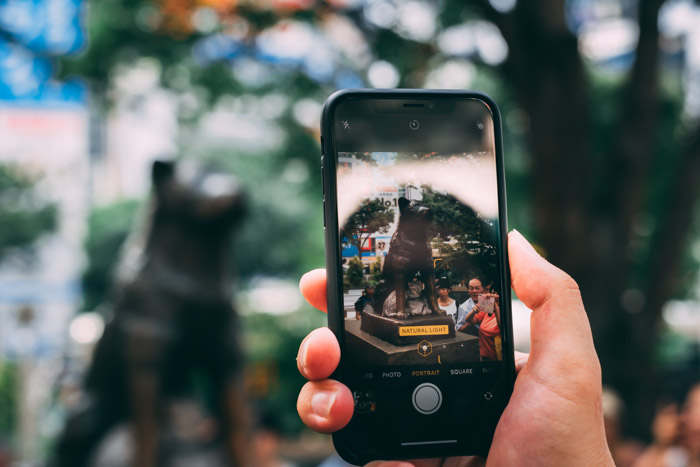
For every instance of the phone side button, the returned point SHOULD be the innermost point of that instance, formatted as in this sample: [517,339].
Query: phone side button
[427,398]
[323,177]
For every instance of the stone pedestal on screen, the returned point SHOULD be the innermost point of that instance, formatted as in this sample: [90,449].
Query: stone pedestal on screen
[368,349]
[408,331]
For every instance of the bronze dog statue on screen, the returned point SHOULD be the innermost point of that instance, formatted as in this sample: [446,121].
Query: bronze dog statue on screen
[409,255]
[172,322]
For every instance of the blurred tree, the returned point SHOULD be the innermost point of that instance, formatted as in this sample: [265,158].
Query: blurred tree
[465,241]
[108,227]
[23,208]
[9,382]
[611,170]
[279,235]
[453,219]
[601,211]
[371,217]
[269,379]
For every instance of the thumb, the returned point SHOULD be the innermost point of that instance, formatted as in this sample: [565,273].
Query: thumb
[559,329]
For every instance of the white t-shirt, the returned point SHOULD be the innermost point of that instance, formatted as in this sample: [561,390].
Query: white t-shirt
[450,309]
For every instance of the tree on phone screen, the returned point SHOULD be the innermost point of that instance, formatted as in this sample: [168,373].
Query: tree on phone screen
[373,216]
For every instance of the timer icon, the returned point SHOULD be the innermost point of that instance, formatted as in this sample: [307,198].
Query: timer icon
[413,124]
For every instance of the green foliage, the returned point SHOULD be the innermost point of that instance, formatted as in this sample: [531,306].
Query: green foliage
[270,342]
[121,32]
[607,110]
[674,350]
[375,270]
[451,218]
[108,227]
[355,272]
[282,233]
[9,381]
[22,208]
[467,243]
[371,217]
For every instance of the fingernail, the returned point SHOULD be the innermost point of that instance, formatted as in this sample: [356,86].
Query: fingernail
[322,402]
[301,356]
[301,280]
[518,237]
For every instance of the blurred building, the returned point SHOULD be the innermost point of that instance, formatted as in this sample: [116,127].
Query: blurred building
[44,136]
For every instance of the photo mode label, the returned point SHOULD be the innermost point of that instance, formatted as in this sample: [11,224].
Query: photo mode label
[438,330]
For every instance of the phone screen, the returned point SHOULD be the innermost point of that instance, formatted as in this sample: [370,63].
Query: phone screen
[423,293]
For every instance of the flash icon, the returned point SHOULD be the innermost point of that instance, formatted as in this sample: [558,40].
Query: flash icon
[346,125]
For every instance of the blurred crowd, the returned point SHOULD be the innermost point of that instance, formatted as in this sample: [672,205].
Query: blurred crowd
[675,433]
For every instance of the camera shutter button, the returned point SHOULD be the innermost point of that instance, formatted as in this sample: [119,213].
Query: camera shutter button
[427,398]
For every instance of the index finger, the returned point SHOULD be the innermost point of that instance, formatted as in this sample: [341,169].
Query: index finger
[313,288]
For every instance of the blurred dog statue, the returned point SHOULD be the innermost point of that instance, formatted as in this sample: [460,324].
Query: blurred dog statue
[409,254]
[172,322]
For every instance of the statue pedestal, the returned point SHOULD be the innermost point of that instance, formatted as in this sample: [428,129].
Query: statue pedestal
[408,331]
[372,351]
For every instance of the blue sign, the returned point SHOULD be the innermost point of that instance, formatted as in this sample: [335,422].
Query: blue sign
[38,29]
[26,79]
[47,26]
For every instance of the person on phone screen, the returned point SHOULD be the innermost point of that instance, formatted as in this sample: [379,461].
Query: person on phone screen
[487,314]
[445,302]
[364,303]
[554,416]
[475,288]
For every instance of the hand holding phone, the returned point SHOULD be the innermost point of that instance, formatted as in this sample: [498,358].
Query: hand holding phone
[545,389]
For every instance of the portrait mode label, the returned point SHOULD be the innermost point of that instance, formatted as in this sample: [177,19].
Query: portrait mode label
[439,330]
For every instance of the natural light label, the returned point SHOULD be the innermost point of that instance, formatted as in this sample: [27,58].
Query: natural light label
[424,330]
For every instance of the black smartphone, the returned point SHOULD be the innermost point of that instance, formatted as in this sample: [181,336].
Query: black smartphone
[418,281]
